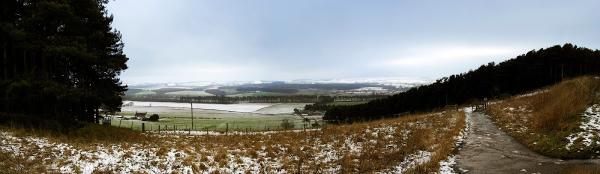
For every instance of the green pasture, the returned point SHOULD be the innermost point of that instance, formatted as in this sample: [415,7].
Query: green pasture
[213,121]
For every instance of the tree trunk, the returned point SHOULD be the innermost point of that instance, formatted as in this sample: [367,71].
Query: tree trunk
[14,62]
[24,71]
[97,116]
[5,75]
[5,61]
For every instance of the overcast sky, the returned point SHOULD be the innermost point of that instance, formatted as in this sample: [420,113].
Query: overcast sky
[245,40]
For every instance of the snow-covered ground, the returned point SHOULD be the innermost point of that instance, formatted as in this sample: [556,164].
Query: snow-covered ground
[448,165]
[411,161]
[244,107]
[392,81]
[332,149]
[281,108]
[590,129]
[190,93]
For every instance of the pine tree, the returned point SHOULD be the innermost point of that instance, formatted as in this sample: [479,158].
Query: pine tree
[61,60]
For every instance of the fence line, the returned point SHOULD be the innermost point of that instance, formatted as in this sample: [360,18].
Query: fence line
[234,127]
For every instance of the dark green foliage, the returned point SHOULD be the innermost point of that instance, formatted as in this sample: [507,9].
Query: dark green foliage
[322,104]
[291,87]
[276,90]
[286,124]
[297,111]
[260,99]
[216,92]
[153,117]
[60,60]
[536,69]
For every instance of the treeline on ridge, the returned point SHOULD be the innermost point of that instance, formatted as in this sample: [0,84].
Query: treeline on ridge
[278,99]
[536,69]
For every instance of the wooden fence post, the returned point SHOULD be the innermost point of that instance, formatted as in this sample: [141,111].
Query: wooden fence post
[143,128]
[226,128]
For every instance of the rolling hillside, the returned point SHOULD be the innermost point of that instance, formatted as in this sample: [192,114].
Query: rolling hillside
[536,69]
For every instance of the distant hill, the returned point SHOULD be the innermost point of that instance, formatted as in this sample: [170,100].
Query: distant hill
[335,87]
[536,69]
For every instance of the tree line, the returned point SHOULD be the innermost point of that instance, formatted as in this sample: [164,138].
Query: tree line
[277,99]
[60,61]
[527,72]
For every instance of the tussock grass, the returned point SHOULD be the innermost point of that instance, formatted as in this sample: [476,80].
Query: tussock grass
[542,120]
[558,108]
[90,133]
[10,164]
[369,147]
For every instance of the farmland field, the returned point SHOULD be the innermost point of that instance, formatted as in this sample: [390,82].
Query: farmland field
[189,93]
[214,117]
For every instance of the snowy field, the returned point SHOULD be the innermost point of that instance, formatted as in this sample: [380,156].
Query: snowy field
[244,107]
[281,108]
[190,93]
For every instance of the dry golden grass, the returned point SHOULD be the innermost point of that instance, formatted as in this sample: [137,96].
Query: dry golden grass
[355,148]
[557,109]
[543,119]
[89,134]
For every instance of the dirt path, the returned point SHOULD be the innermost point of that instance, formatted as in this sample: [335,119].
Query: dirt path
[489,150]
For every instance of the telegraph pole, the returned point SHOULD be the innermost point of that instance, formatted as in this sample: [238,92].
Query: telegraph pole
[192,113]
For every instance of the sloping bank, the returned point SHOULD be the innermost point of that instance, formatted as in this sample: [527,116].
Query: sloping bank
[560,121]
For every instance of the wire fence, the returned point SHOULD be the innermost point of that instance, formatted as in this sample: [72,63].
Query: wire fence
[222,127]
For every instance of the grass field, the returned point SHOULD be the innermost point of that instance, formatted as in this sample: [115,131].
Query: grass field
[264,119]
[189,93]
[340,103]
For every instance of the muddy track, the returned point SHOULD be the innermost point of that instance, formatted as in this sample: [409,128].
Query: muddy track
[489,150]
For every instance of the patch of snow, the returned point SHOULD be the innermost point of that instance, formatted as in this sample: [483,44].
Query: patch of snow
[590,128]
[353,147]
[447,166]
[244,107]
[411,161]
[532,93]
[183,132]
